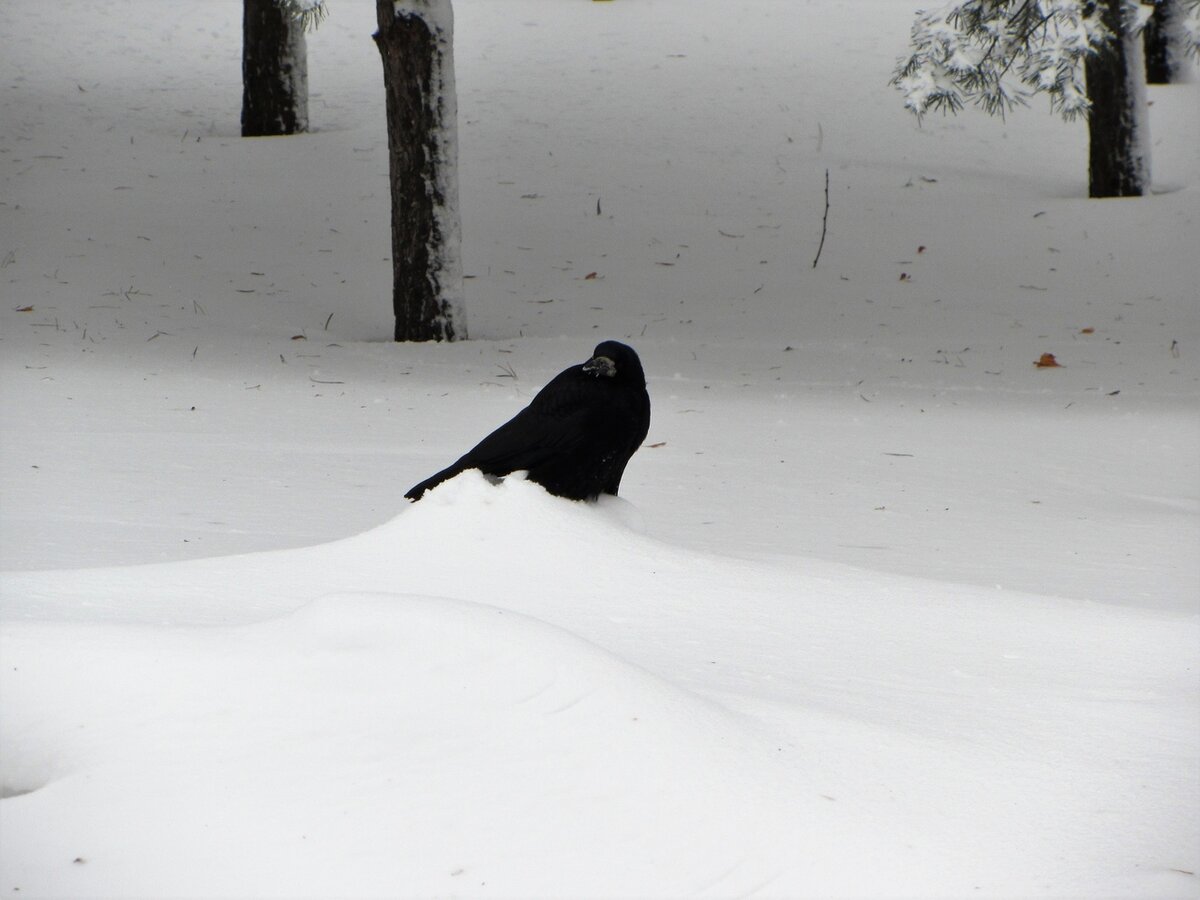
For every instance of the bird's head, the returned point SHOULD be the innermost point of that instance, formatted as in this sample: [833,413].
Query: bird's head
[601,366]
[612,359]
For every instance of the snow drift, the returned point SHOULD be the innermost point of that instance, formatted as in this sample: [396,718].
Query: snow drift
[616,717]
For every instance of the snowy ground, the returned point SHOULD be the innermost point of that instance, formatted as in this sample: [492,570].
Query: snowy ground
[884,610]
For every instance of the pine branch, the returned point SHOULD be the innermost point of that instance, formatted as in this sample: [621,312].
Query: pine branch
[996,54]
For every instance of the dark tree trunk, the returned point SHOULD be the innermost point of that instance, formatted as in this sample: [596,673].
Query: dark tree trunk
[1118,165]
[274,71]
[1162,37]
[420,166]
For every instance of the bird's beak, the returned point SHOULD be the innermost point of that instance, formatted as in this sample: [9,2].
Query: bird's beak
[600,365]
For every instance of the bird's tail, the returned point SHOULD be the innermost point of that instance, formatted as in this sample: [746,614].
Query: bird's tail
[417,491]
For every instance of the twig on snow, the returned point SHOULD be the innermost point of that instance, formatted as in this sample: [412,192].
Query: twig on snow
[824,221]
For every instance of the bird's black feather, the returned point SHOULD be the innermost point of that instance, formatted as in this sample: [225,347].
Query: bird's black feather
[576,436]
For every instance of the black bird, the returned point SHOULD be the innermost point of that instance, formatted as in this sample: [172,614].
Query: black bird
[577,434]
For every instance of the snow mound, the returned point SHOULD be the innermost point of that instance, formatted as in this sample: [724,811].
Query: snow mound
[499,691]
[408,743]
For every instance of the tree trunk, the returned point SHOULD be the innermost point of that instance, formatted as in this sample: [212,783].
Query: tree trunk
[1118,133]
[415,41]
[1164,43]
[274,71]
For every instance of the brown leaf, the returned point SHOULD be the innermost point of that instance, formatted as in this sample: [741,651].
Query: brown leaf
[590,276]
[24,309]
[655,446]
[1048,362]
[299,337]
[1088,330]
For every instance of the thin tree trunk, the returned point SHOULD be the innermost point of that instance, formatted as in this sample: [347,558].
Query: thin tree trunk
[1118,154]
[274,71]
[1164,43]
[415,43]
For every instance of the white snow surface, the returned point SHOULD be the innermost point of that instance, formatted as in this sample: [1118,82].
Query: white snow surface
[884,610]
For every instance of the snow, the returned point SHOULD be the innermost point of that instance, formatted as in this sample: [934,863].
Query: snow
[698,718]
[883,610]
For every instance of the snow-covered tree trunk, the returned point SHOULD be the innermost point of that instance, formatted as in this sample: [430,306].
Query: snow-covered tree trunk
[415,39]
[1118,126]
[1166,42]
[274,69]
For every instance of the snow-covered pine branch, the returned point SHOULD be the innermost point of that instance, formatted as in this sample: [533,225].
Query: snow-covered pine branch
[1086,55]
[995,54]
[1189,25]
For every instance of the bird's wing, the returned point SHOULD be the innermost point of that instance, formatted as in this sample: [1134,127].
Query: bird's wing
[553,424]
